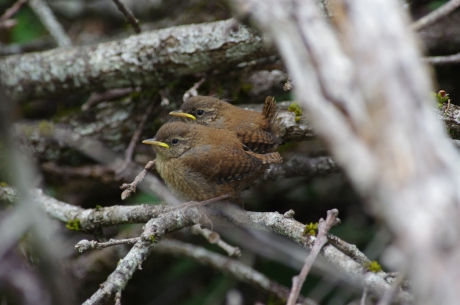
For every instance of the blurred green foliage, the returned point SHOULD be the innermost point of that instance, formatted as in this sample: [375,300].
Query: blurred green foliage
[28,27]
[436,4]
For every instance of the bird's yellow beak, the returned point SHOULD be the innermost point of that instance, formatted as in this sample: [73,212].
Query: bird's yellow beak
[156,143]
[182,114]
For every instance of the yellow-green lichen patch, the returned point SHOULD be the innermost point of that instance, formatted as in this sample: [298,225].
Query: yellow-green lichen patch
[373,266]
[73,225]
[295,107]
[311,229]
[45,128]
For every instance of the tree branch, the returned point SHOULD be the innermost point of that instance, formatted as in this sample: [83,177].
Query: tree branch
[436,15]
[321,240]
[443,60]
[153,231]
[397,155]
[46,16]
[140,60]
[229,266]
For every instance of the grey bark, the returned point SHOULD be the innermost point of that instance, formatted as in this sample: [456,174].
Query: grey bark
[148,59]
[369,100]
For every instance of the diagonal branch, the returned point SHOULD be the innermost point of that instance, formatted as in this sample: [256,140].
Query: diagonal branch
[436,15]
[321,240]
[153,231]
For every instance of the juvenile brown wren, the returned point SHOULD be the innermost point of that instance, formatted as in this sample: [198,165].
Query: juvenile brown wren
[254,129]
[200,163]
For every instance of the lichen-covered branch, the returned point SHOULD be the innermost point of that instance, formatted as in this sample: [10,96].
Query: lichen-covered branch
[153,231]
[349,267]
[301,167]
[150,58]
[87,220]
[229,266]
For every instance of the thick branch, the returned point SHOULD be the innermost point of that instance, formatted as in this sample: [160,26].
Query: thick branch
[153,57]
[368,98]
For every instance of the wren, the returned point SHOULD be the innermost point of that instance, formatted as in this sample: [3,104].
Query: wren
[199,162]
[254,129]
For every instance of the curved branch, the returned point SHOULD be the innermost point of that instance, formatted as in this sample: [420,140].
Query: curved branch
[149,58]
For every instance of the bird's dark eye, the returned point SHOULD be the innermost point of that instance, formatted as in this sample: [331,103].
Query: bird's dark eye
[199,112]
[174,141]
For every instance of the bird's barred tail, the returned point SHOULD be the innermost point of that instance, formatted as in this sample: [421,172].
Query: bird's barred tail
[273,157]
[269,110]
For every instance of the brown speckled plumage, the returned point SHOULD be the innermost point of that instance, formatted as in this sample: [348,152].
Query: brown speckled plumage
[206,162]
[255,129]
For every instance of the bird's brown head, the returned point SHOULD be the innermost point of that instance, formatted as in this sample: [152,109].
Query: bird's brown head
[204,109]
[172,139]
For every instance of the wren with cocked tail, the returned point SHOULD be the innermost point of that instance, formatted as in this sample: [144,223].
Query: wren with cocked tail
[199,163]
[254,129]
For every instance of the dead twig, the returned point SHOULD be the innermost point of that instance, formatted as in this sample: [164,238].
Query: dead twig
[118,298]
[128,15]
[47,18]
[193,91]
[288,85]
[436,15]
[85,244]
[442,60]
[12,10]
[130,188]
[363,297]
[112,94]
[134,139]
[323,228]
[214,238]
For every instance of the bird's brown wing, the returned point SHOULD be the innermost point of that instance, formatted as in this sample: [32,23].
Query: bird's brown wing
[223,165]
[259,141]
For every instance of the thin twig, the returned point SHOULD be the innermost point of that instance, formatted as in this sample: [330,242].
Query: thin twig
[46,16]
[232,267]
[214,238]
[323,228]
[85,244]
[130,188]
[390,293]
[134,139]
[118,298]
[108,95]
[349,249]
[435,15]
[442,60]
[12,10]
[363,297]
[288,85]
[193,91]
[164,99]
[8,24]
[128,15]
